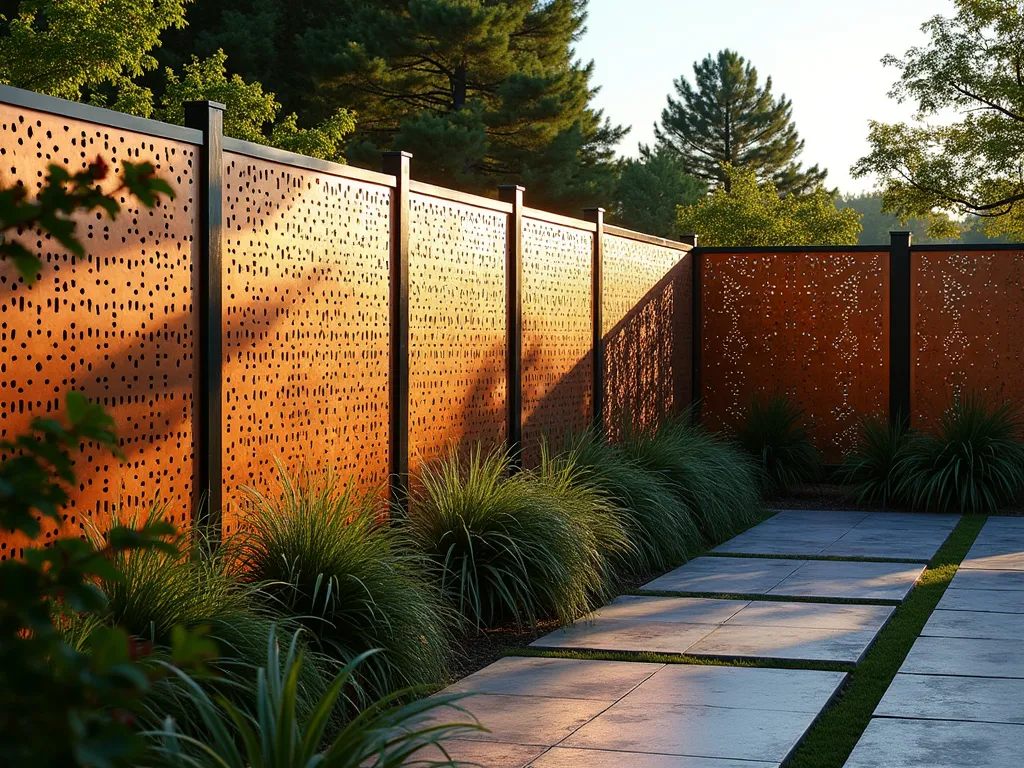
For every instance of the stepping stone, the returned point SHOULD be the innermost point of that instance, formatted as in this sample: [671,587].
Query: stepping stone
[629,635]
[526,720]
[914,520]
[988,600]
[726,575]
[859,581]
[690,610]
[942,697]
[483,753]
[559,757]
[972,658]
[882,543]
[813,616]
[995,557]
[937,744]
[798,643]
[738,688]
[1010,581]
[677,729]
[976,624]
[557,678]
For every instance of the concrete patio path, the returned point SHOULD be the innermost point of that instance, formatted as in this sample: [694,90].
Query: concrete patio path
[573,712]
[958,699]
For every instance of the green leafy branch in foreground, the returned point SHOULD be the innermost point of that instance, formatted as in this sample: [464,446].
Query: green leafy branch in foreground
[62,195]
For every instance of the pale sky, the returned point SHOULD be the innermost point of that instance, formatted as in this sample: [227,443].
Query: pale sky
[822,54]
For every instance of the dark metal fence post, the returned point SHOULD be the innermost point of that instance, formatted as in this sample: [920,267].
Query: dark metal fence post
[899,328]
[695,325]
[596,215]
[397,165]
[513,193]
[208,117]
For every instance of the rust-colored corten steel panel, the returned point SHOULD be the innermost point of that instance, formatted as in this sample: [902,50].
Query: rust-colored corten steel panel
[814,327]
[967,335]
[456,326]
[118,324]
[306,326]
[647,332]
[557,332]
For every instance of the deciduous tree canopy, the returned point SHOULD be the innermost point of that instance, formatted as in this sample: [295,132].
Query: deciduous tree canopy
[729,118]
[972,65]
[752,214]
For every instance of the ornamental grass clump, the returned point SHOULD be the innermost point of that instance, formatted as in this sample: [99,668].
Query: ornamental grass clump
[710,476]
[322,553]
[507,548]
[660,525]
[775,433]
[869,470]
[972,462]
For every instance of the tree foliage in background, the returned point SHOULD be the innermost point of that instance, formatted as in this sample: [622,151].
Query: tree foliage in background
[102,51]
[729,118]
[479,92]
[752,214]
[876,223]
[650,189]
[972,65]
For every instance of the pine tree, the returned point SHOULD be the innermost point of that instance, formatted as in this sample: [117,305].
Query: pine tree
[729,118]
[650,190]
[480,91]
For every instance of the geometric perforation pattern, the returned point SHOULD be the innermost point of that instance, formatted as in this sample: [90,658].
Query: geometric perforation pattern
[306,326]
[557,332]
[813,327]
[456,326]
[647,332]
[118,324]
[967,310]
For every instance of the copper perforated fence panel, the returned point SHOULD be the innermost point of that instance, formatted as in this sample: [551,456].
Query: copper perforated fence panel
[305,271]
[117,325]
[647,333]
[557,332]
[813,327]
[456,326]
[966,310]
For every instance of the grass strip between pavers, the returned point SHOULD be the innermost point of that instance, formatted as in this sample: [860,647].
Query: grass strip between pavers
[757,597]
[678,658]
[835,733]
[826,558]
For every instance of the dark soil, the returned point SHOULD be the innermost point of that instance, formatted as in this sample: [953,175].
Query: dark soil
[477,651]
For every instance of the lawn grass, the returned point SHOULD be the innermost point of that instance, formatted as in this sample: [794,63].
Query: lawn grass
[679,658]
[833,736]
[762,597]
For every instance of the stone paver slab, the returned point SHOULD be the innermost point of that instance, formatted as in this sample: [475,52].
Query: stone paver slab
[557,678]
[688,610]
[958,656]
[627,635]
[988,600]
[526,720]
[977,578]
[942,697]
[888,543]
[801,643]
[735,575]
[977,624]
[859,581]
[813,615]
[559,757]
[937,744]
[674,729]
[738,688]
[994,557]
[482,753]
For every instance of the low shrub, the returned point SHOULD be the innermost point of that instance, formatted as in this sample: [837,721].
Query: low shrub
[776,435]
[322,553]
[659,524]
[711,476]
[870,469]
[386,734]
[508,548]
[972,462]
